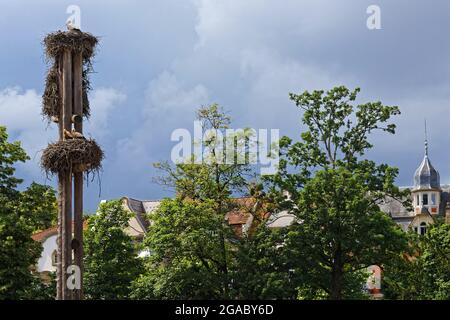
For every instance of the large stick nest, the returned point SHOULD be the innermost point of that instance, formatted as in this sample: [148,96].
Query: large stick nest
[55,44]
[72,155]
[51,99]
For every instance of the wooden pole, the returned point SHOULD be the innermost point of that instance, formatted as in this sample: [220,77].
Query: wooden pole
[70,85]
[78,176]
[59,241]
[59,265]
[66,177]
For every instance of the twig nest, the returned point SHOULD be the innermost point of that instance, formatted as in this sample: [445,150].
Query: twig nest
[51,99]
[76,155]
[55,43]
[75,40]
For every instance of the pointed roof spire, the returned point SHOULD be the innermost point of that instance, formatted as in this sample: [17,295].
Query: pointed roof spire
[426,176]
[426,139]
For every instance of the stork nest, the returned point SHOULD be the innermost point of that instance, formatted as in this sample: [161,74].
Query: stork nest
[72,155]
[51,99]
[55,44]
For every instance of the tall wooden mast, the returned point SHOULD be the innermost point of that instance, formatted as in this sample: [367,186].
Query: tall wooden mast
[71,94]
[77,242]
[65,102]
[65,180]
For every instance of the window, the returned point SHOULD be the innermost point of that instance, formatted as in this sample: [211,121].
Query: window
[425,199]
[417,200]
[433,198]
[423,228]
[54,258]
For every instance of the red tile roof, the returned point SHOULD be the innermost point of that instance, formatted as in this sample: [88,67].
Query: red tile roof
[234,218]
[241,213]
[43,235]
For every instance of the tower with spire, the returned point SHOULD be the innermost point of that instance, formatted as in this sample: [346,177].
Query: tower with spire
[426,192]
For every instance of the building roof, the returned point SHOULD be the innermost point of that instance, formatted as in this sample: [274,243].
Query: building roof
[141,208]
[236,217]
[426,176]
[394,208]
[402,216]
[239,216]
[43,235]
[281,219]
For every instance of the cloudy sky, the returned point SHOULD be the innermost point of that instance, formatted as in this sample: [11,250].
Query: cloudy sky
[158,61]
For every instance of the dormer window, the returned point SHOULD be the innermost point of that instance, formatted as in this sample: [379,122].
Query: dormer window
[423,228]
[425,199]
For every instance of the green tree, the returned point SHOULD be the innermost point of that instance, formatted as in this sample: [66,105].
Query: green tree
[18,252]
[111,262]
[185,260]
[264,269]
[38,202]
[10,153]
[212,182]
[42,290]
[423,272]
[334,193]
[195,253]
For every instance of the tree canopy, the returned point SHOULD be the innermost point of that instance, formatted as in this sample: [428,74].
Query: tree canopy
[18,252]
[334,192]
[194,251]
[422,272]
[111,262]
